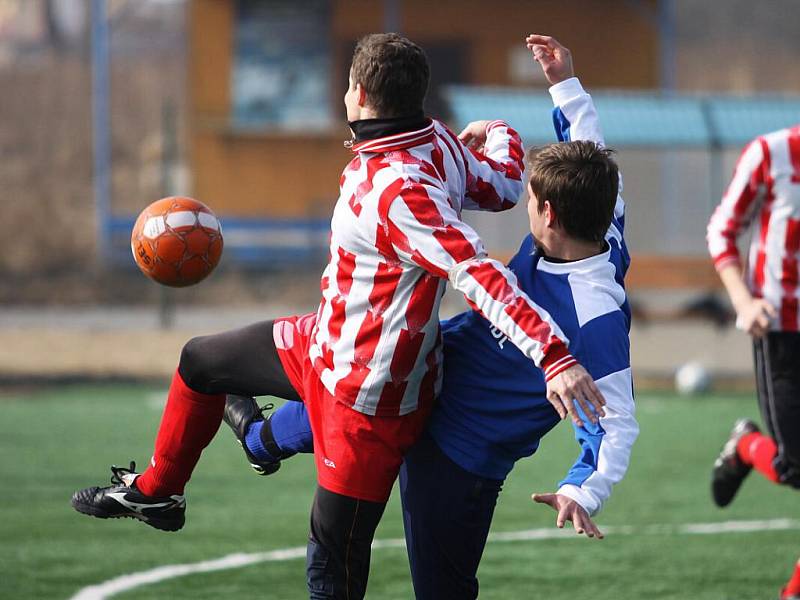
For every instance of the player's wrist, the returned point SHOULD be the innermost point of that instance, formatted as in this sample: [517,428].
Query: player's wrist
[565,90]
[557,360]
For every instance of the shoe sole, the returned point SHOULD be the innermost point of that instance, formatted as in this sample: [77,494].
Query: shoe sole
[160,524]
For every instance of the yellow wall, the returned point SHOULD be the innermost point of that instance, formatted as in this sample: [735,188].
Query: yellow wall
[281,175]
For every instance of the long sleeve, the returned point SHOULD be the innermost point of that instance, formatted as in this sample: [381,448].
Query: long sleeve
[425,230]
[494,176]
[575,118]
[741,200]
[605,447]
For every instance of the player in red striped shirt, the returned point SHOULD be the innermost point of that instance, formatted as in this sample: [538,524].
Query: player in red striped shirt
[764,197]
[368,364]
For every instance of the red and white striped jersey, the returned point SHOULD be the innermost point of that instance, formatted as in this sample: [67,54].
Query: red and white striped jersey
[765,191]
[396,238]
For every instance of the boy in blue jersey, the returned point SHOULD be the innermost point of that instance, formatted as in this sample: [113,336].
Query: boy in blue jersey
[493,408]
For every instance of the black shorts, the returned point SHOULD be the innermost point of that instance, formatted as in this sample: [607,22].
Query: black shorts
[777,362]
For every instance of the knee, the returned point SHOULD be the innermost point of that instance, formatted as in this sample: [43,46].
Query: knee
[196,364]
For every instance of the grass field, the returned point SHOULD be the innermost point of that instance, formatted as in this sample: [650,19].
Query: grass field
[53,442]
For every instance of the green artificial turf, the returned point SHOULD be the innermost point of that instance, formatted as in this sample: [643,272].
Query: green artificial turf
[55,441]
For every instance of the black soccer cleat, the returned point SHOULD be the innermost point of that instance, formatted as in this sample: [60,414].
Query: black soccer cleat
[123,499]
[240,412]
[729,471]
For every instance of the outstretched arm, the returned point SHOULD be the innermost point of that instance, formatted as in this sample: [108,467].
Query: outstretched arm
[420,226]
[605,446]
[574,116]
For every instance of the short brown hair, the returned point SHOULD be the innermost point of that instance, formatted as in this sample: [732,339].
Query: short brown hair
[580,180]
[394,73]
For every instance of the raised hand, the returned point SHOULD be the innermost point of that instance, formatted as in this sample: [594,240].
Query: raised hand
[555,59]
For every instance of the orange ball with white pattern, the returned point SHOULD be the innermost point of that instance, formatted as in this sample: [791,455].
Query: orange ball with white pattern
[177,241]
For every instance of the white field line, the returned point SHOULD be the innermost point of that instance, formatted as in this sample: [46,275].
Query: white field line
[131,581]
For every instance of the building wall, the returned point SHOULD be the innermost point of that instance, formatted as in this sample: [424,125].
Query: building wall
[285,175]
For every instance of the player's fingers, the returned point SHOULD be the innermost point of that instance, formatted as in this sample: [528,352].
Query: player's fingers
[586,407]
[466,135]
[593,393]
[594,398]
[595,530]
[554,399]
[548,499]
[570,406]
[544,40]
[579,524]
[561,519]
[589,525]
[770,310]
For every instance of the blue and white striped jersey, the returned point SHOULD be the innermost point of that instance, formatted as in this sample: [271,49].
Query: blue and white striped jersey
[492,410]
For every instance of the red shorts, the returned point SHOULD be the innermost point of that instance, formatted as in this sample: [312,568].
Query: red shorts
[357,455]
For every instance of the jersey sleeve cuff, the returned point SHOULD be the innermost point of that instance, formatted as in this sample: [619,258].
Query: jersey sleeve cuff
[558,359]
[566,90]
[725,259]
[495,124]
[581,496]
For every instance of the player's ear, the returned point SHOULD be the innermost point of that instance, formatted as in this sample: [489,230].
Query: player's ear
[549,214]
[362,95]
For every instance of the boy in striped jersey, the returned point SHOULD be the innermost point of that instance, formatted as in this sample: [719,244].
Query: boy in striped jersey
[368,364]
[493,408]
[764,192]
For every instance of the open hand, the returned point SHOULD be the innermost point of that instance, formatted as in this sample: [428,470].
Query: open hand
[569,510]
[555,59]
[575,385]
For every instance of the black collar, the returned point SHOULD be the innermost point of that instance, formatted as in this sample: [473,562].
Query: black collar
[372,129]
[555,259]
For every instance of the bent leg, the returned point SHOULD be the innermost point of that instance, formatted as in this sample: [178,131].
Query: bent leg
[447,512]
[291,429]
[242,361]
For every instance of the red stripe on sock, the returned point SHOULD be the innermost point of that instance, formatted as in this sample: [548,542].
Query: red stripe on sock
[758,451]
[188,425]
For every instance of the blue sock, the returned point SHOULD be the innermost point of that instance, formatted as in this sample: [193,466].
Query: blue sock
[291,429]
[254,443]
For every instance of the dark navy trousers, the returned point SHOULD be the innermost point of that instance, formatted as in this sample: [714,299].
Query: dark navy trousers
[447,512]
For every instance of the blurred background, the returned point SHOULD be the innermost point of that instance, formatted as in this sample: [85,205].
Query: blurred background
[107,105]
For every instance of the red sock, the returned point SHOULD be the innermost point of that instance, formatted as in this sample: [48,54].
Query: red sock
[793,587]
[758,451]
[188,425]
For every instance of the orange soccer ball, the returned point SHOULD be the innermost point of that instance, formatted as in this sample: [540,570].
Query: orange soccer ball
[177,241]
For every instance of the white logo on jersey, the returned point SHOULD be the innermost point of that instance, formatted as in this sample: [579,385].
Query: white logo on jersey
[329,463]
[501,337]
